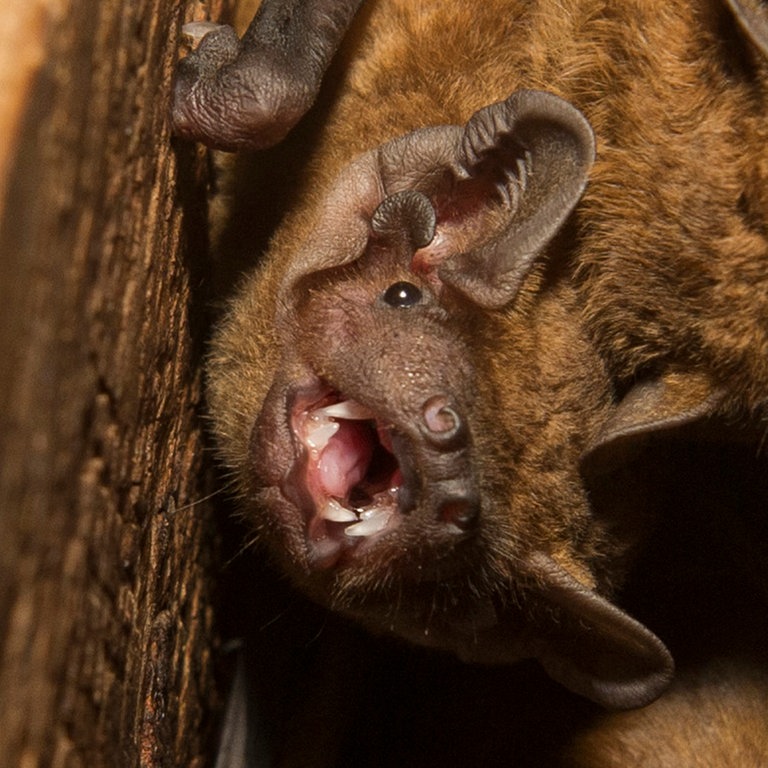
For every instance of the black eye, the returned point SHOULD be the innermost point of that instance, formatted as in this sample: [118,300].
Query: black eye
[402,294]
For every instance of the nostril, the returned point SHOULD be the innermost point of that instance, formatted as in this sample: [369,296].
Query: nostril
[439,416]
[444,426]
[462,513]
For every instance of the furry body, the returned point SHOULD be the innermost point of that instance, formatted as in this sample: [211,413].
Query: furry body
[660,277]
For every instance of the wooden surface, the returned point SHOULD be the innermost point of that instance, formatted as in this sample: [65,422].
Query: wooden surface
[107,551]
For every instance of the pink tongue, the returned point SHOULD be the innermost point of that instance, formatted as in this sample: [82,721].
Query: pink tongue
[345,459]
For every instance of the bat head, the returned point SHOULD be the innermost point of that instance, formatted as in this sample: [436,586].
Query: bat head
[415,460]
[421,238]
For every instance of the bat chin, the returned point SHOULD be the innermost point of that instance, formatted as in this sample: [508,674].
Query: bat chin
[346,479]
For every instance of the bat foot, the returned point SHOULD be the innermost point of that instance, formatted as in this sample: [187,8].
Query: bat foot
[247,94]
[231,96]
[204,101]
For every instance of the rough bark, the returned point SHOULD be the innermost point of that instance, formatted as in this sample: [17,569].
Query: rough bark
[107,551]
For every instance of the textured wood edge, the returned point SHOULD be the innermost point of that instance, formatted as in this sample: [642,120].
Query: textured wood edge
[107,553]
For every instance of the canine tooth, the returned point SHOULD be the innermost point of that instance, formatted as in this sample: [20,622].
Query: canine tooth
[369,526]
[348,409]
[381,504]
[337,513]
[371,511]
[318,432]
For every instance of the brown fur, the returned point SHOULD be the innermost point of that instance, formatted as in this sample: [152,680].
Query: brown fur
[653,80]
[663,271]
[713,717]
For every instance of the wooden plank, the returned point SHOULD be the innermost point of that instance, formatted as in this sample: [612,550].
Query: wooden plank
[106,551]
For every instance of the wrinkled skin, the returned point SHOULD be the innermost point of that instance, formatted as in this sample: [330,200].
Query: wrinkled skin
[490,355]
[247,94]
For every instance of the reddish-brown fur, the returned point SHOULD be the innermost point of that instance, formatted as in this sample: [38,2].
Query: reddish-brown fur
[662,276]
[716,717]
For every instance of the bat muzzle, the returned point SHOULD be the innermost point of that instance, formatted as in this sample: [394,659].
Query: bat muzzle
[360,477]
[437,467]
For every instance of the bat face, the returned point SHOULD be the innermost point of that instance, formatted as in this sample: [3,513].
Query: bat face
[376,400]
[379,418]
[386,436]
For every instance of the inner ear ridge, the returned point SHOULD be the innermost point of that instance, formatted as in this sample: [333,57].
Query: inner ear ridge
[524,121]
[545,148]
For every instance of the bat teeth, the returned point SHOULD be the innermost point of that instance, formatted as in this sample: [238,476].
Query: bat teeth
[375,522]
[340,450]
[320,426]
[376,516]
[318,431]
[337,512]
[347,409]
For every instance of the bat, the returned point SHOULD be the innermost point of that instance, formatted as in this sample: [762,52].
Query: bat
[517,256]
[379,481]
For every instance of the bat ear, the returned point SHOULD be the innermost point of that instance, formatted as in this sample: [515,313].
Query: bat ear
[594,648]
[475,204]
[650,409]
[521,167]
[752,16]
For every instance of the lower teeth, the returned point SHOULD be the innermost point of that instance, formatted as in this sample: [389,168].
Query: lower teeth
[372,518]
[337,513]
[373,523]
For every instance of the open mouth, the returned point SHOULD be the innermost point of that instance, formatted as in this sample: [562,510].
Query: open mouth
[347,474]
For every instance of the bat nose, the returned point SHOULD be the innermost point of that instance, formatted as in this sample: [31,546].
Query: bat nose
[459,510]
[443,425]
[451,489]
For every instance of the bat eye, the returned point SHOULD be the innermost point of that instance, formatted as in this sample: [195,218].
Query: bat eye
[402,294]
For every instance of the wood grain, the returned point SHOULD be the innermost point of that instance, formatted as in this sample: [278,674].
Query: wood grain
[106,549]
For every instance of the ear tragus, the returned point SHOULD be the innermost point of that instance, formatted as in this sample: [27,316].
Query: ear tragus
[406,216]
